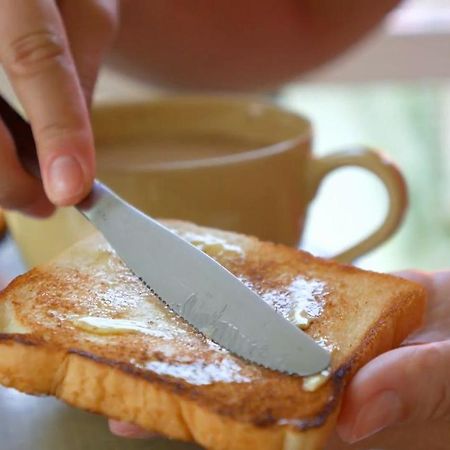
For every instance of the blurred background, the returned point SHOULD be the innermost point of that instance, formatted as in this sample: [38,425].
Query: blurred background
[391,92]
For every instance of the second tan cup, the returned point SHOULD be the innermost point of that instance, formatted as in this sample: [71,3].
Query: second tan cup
[232,163]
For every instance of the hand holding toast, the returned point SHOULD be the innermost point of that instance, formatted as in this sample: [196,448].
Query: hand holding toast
[409,385]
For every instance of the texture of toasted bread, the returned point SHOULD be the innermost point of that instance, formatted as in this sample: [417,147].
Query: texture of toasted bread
[85,329]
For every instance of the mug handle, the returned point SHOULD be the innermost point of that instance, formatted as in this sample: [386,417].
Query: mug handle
[392,179]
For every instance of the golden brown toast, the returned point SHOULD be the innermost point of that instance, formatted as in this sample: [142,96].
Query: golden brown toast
[85,329]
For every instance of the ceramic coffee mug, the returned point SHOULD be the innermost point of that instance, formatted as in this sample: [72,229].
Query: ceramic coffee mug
[234,163]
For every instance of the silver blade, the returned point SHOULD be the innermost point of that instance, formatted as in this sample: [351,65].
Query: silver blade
[200,290]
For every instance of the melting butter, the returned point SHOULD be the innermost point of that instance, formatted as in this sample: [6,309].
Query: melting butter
[199,372]
[314,382]
[325,343]
[105,325]
[300,301]
[300,318]
[307,299]
[212,245]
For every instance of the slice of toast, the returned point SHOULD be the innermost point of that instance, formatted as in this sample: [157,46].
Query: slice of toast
[85,329]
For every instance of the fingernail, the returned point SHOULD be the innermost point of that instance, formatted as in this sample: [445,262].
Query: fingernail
[65,179]
[381,412]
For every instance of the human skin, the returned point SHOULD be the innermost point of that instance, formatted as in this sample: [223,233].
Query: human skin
[51,53]
[413,379]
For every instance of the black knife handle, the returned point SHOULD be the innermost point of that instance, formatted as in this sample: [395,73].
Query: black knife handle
[23,137]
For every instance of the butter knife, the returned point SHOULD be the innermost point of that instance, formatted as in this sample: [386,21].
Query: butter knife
[188,281]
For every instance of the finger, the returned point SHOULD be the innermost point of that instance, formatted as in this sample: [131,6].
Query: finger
[90,31]
[18,189]
[425,279]
[128,430]
[407,384]
[35,54]
[437,319]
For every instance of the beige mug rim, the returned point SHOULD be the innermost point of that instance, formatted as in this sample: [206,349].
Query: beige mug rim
[264,152]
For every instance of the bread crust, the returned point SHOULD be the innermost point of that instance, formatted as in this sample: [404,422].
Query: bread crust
[98,387]
[271,412]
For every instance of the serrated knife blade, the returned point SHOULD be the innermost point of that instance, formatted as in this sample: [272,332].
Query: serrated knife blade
[200,290]
[190,282]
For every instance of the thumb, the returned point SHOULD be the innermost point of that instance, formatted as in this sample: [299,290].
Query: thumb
[407,384]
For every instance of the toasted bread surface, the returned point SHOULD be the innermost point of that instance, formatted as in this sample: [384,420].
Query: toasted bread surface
[85,329]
